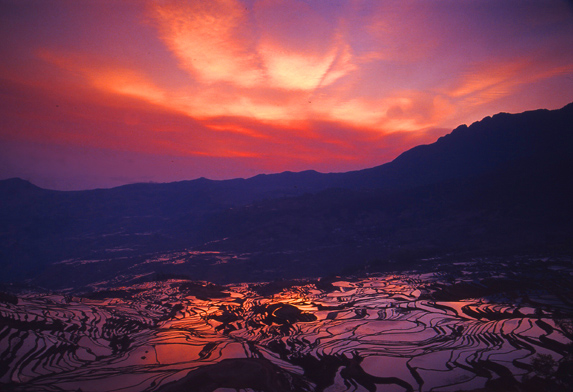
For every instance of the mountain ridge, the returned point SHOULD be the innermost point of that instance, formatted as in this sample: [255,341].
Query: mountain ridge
[414,202]
[338,179]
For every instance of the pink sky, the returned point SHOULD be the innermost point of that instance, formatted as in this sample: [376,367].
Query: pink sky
[104,93]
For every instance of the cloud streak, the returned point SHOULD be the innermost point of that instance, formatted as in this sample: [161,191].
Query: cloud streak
[216,42]
[274,84]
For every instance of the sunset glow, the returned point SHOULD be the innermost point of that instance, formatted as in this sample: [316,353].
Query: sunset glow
[99,94]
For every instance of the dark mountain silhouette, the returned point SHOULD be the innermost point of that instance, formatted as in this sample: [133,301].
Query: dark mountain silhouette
[484,146]
[501,185]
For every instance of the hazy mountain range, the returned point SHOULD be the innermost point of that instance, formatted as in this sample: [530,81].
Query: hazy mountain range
[500,186]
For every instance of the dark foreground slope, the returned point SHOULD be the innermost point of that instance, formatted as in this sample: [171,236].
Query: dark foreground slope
[518,210]
[501,185]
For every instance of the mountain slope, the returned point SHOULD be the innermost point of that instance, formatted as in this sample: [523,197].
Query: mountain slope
[467,191]
[522,209]
[483,146]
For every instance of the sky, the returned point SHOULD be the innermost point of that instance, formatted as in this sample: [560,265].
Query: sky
[96,94]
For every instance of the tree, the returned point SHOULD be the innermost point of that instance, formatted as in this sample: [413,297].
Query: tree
[543,365]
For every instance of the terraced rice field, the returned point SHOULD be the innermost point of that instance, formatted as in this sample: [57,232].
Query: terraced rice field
[388,332]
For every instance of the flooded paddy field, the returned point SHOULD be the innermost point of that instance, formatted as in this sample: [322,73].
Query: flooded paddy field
[499,325]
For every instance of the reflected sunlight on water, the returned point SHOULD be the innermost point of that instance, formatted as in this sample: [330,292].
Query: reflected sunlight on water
[393,332]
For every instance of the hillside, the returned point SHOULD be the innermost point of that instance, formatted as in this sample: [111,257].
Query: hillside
[499,185]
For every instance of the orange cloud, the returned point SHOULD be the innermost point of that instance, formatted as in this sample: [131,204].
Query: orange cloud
[403,111]
[291,70]
[236,128]
[488,78]
[201,103]
[407,111]
[130,83]
[259,67]
[215,41]
[206,38]
[492,80]
[272,84]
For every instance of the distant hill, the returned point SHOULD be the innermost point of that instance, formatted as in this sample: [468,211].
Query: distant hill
[502,184]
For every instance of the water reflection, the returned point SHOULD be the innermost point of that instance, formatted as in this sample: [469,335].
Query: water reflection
[396,332]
